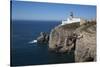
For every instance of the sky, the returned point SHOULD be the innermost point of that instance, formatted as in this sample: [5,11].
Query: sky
[22,10]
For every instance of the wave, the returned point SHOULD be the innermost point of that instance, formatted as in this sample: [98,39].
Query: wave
[33,41]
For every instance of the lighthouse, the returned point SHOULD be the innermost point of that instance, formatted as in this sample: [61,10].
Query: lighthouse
[71,19]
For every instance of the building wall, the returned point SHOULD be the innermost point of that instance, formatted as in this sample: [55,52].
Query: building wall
[73,20]
[82,21]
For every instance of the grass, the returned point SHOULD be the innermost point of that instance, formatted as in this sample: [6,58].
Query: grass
[71,26]
[87,25]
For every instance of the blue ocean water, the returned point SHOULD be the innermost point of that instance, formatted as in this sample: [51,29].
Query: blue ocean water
[24,53]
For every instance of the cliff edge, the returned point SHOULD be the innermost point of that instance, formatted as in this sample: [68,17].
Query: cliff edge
[75,38]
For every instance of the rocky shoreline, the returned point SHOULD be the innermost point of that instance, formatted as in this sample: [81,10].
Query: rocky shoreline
[43,38]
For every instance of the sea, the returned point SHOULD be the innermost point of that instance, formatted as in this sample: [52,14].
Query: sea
[25,53]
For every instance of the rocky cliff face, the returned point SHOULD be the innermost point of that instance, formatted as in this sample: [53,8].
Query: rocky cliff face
[75,38]
[43,38]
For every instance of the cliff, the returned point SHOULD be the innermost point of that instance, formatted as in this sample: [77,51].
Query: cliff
[75,38]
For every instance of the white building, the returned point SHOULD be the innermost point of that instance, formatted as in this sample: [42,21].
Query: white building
[71,19]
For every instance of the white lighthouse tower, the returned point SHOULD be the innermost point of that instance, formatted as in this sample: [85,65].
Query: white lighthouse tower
[71,19]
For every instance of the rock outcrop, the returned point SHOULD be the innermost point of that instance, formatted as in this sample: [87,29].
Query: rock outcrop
[43,38]
[75,38]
